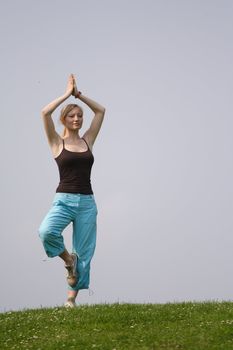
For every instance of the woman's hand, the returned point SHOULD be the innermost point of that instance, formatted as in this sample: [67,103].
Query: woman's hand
[70,85]
[75,92]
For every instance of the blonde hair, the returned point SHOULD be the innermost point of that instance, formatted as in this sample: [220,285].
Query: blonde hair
[65,110]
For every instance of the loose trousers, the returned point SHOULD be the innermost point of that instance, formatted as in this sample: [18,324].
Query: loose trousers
[81,210]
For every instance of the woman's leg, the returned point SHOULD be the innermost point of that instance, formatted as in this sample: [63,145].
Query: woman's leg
[70,303]
[50,232]
[66,257]
[72,294]
[84,242]
[51,228]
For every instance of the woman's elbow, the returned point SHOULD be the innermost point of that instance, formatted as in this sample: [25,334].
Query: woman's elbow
[44,113]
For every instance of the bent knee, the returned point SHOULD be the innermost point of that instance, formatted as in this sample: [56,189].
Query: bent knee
[45,234]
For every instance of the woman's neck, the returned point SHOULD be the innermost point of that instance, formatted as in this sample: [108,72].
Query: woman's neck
[71,135]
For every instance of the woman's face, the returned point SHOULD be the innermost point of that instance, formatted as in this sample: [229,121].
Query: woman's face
[74,119]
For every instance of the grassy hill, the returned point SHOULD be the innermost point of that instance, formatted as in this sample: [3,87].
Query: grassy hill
[191,326]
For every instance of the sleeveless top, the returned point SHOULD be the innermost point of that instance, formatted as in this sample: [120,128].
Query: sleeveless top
[75,171]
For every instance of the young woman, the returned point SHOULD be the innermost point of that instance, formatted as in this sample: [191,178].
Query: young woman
[74,200]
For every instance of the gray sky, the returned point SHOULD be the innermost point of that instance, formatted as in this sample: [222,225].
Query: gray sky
[163,160]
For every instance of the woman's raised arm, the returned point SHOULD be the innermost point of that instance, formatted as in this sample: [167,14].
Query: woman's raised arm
[91,133]
[47,111]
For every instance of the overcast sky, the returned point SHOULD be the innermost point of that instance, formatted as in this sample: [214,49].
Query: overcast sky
[163,168]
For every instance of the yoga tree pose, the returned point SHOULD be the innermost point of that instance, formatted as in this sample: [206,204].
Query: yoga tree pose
[74,199]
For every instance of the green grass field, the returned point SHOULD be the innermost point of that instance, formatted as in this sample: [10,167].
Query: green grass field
[191,326]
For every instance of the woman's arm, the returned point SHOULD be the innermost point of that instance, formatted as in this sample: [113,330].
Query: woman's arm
[91,133]
[47,111]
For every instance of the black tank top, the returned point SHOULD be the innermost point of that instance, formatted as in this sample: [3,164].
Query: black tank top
[75,171]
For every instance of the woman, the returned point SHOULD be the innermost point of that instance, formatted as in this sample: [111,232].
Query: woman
[74,200]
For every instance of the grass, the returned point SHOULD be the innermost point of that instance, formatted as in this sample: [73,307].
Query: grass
[183,326]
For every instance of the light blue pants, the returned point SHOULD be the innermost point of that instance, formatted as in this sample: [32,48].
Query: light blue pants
[80,209]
